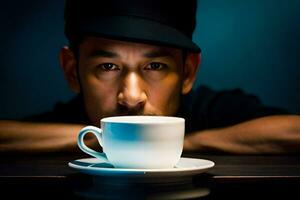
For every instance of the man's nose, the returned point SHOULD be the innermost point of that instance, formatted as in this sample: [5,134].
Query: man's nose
[132,93]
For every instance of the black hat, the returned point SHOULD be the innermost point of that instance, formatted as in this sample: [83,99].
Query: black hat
[163,22]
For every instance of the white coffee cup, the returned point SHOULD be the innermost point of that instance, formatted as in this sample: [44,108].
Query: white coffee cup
[150,142]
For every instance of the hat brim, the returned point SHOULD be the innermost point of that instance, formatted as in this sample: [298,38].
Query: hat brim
[137,29]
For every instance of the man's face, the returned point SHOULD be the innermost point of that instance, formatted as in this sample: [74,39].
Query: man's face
[126,78]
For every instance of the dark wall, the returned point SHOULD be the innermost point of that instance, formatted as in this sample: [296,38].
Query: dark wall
[31,36]
[254,45]
[250,44]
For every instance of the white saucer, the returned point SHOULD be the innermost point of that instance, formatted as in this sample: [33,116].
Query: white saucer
[185,166]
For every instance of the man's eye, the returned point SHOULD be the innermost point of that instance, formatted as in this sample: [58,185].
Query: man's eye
[108,67]
[155,66]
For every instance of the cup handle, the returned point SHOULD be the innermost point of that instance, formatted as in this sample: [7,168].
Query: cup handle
[98,133]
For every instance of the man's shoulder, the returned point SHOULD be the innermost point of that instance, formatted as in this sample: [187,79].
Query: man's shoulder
[71,111]
[225,99]
[209,108]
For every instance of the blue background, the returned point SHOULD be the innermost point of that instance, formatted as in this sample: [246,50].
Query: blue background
[249,44]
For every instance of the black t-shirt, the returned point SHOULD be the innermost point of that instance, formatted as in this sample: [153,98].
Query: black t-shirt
[203,108]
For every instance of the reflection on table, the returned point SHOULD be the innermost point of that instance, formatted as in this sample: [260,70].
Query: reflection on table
[99,187]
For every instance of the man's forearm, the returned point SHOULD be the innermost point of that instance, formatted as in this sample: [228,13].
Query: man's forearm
[29,137]
[267,135]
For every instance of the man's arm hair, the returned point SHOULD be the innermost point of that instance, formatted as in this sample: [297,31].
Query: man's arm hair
[266,135]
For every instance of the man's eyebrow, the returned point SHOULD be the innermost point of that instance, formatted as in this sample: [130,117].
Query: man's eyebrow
[158,53]
[103,53]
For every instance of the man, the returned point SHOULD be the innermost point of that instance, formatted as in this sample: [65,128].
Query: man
[137,58]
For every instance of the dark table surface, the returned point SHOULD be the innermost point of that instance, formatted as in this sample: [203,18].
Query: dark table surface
[233,177]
